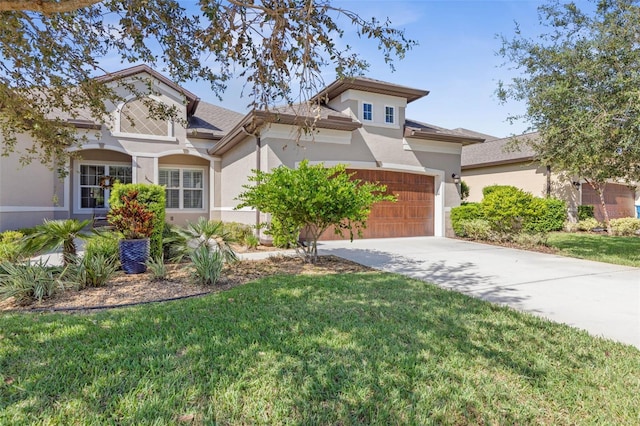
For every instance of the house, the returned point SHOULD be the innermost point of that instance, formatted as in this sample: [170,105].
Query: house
[496,162]
[204,164]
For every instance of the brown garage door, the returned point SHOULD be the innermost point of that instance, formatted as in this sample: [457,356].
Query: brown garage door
[618,198]
[410,216]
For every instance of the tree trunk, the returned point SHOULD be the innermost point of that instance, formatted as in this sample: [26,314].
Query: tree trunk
[599,188]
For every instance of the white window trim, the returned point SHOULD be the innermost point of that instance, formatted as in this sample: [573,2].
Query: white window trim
[205,183]
[77,205]
[363,115]
[384,118]
[170,137]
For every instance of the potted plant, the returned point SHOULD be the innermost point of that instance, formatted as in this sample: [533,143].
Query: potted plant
[134,220]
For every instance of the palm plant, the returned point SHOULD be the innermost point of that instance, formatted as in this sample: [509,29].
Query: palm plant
[53,234]
[205,233]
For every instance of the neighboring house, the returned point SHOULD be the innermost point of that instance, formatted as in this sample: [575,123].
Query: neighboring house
[495,162]
[361,123]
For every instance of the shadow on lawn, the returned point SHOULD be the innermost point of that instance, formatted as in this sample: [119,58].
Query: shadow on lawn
[452,276]
[360,348]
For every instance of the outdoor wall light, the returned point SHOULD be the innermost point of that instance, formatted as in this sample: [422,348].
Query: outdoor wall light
[576,185]
[456,178]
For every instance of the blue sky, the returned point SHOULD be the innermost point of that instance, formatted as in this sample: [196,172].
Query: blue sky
[455,59]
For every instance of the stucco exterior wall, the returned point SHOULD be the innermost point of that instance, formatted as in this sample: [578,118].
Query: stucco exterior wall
[371,148]
[530,177]
[236,166]
[29,193]
[526,176]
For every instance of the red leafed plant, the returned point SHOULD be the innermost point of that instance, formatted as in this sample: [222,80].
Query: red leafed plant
[133,219]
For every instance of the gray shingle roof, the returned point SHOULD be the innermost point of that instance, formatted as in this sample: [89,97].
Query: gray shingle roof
[498,152]
[475,134]
[213,120]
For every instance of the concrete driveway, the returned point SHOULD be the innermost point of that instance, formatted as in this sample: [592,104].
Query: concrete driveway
[600,298]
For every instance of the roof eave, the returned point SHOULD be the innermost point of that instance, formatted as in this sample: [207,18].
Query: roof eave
[414,133]
[192,99]
[498,163]
[342,85]
[256,119]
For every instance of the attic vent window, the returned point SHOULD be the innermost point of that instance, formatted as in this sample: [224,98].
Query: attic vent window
[389,115]
[367,112]
[134,118]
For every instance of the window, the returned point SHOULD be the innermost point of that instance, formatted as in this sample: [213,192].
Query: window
[94,191]
[367,112]
[184,188]
[134,119]
[389,115]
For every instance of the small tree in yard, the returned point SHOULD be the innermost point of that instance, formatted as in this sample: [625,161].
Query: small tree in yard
[313,198]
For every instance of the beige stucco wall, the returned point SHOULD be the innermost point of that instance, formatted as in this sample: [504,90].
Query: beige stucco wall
[372,147]
[528,176]
[235,169]
[29,193]
[107,145]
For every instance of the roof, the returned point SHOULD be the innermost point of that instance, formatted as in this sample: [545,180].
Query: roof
[420,130]
[497,151]
[318,116]
[192,99]
[212,122]
[473,133]
[369,85]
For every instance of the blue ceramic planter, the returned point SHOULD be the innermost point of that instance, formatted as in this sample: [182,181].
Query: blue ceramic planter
[134,255]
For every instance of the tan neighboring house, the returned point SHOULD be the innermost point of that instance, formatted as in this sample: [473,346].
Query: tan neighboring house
[205,164]
[493,162]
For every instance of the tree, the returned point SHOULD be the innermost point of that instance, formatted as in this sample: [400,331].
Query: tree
[581,83]
[57,233]
[313,198]
[50,51]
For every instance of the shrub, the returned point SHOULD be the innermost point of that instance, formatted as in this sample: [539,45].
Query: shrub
[205,233]
[546,215]
[585,212]
[104,243]
[93,270]
[588,224]
[131,217]
[153,196]
[10,246]
[530,240]
[283,236]
[464,190]
[626,226]
[172,243]
[477,229]
[238,231]
[252,241]
[207,265]
[157,268]
[26,282]
[507,208]
[489,189]
[463,213]
[57,233]
[571,226]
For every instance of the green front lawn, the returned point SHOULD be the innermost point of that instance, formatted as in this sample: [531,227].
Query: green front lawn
[367,348]
[602,248]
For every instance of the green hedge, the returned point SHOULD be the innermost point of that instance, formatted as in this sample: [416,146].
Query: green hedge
[507,208]
[510,210]
[154,197]
[463,213]
[585,212]
[546,215]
